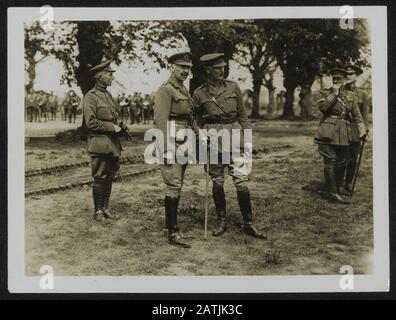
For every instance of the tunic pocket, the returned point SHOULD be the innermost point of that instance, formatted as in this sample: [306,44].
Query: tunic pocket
[230,101]
[104,113]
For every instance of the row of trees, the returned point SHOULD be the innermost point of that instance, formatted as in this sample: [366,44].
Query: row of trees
[303,49]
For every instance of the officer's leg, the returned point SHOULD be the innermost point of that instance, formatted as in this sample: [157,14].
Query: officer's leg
[354,150]
[240,180]
[114,166]
[172,176]
[329,155]
[216,173]
[99,173]
[340,169]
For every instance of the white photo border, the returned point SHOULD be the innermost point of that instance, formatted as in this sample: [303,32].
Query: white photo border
[18,282]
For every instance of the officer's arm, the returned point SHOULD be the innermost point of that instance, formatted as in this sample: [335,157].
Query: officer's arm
[162,109]
[243,119]
[326,103]
[92,122]
[357,118]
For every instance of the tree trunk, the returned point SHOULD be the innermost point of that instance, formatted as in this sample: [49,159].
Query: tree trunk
[31,70]
[305,103]
[256,98]
[288,111]
[90,45]
[271,95]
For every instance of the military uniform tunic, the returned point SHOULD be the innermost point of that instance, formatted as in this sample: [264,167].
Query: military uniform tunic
[173,102]
[221,107]
[100,116]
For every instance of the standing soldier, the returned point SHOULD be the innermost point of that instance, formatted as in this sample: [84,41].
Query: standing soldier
[146,111]
[37,106]
[341,125]
[220,106]
[131,110]
[42,104]
[139,107]
[30,102]
[67,106]
[173,103]
[123,102]
[362,101]
[100,117]
[53,105]
[74,102]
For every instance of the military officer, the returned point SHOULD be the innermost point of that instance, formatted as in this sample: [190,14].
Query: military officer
[341,125]
[174,103]
[354,149]
[101,118]
[219,105]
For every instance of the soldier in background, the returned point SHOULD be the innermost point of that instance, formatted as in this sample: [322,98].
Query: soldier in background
[362,101]
[146,111]
[341,125]
[139,108]
[174,103]
[74,102]
[219,105]
[30,102]
[124,103]
[133,108]
[100,116]
[53,105]
[42,105]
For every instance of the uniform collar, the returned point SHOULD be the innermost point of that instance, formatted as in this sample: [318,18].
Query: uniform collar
[217,90]
[176,83]
[100,86]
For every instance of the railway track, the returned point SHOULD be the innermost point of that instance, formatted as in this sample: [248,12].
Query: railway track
[87,180]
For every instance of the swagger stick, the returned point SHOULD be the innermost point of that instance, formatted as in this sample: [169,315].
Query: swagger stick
[206,194]
[357,168]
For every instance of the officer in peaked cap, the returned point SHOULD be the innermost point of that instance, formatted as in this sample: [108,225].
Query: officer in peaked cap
[341,125]
[363,104]
[101,118]
[173,103]
[219,106]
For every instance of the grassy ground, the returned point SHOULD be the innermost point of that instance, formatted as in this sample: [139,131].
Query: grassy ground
[306,234]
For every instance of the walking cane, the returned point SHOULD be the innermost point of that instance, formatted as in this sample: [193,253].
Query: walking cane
[358,166]
[206,194]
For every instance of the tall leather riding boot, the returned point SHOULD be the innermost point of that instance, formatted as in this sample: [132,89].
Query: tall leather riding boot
[340,180]
[174,237]
[98,189]
[167,216]
[329,173]
[350,173]
[330,176]
[220,204]
[106,198]
[246,210]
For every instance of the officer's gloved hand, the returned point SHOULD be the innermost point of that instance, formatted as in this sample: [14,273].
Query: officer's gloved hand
[363,136]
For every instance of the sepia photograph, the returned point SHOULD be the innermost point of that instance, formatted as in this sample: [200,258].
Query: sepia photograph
[213,150]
